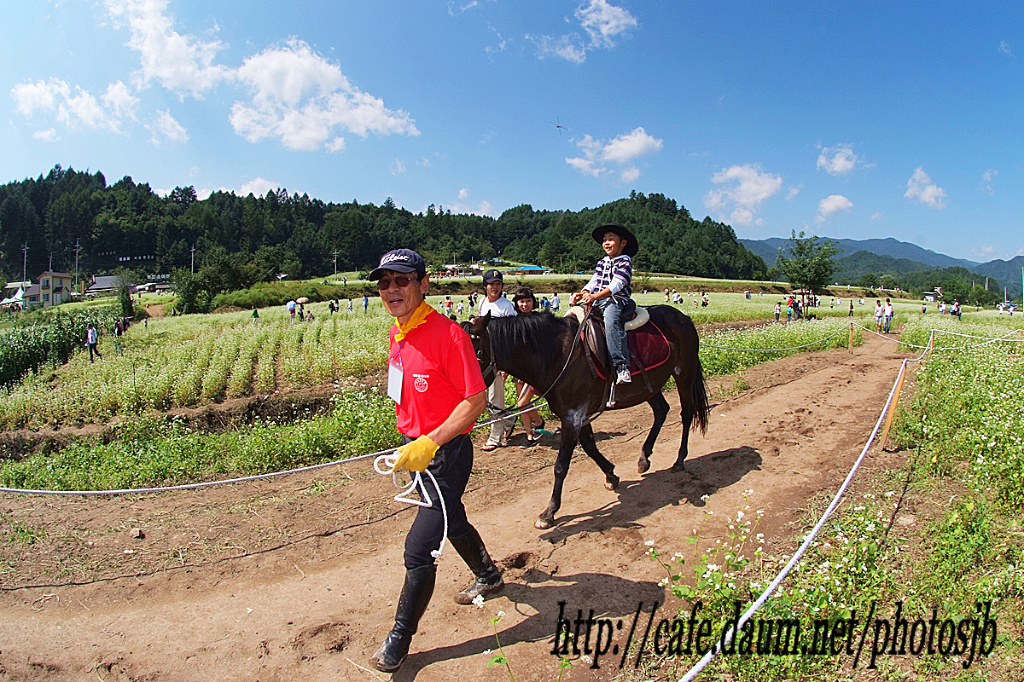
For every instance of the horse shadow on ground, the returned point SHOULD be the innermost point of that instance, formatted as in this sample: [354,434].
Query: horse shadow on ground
[704,475]
[609,596]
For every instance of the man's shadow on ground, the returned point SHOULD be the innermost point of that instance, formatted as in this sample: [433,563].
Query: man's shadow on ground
[609,596]
[704,475]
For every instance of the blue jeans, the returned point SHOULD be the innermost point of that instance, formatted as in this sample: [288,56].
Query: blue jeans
[614,332]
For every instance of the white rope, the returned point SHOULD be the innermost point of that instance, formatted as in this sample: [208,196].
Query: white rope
[385,464]
[241,479]
[702,663]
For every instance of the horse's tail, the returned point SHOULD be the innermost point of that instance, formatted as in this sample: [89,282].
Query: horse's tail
[699,396]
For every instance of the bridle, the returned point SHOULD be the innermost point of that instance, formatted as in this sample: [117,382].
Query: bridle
[492,370]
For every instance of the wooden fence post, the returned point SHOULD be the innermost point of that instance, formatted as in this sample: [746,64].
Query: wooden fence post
[851,337]
[892,408]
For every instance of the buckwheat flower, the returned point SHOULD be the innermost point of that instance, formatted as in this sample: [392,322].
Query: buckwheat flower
[478,601]
[649,543]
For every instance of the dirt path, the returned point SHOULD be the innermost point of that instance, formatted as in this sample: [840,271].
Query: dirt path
[297,578]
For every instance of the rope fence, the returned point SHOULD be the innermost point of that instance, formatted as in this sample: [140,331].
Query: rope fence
[503,417]
[228,481]
[768,591]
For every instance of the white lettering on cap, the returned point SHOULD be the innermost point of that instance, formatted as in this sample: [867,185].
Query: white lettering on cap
[392,257]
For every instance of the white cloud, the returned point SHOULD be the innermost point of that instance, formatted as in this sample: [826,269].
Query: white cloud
[463,193]
[258,187]
[48,135]
[629,174]
[455,8]
[120,101]
[500,46]
[986,181]
[39,96]
[179,63]
[83,109]
[793,191]
[301,98]
[603,23]
[165,127]
[482,209]
[876,216]
[630,146]
[838,160]
[569,47]
[984,252]
[921,188]
[832,204]
[620,151]
[750,187]
[75,107]
[397,168]
[1004,48]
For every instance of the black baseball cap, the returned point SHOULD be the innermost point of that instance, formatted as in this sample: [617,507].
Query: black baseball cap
[493,276]
[400,260]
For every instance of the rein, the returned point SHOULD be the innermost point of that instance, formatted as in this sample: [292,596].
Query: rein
[501,413]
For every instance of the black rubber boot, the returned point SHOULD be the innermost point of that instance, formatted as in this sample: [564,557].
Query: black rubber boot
[488,578]
[416,593]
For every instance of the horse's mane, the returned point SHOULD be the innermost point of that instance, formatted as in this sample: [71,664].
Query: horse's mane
[538,331]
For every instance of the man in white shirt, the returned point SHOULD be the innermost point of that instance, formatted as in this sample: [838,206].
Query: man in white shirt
[497,306]
[888,312]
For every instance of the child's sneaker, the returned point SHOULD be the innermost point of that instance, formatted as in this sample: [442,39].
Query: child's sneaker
[623,376]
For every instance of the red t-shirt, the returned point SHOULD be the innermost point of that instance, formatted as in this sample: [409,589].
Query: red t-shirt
[439,370]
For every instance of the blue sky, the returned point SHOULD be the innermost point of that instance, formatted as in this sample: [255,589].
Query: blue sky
[855,120]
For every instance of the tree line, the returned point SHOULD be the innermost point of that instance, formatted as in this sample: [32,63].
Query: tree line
[236,241]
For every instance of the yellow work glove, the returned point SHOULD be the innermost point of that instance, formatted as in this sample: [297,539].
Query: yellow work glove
[416,456]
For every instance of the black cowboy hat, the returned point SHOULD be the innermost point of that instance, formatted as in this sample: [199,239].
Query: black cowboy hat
[631,244]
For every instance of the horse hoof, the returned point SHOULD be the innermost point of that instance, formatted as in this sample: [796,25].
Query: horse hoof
[678,467]
[542,524]
[611,483]
[643,465]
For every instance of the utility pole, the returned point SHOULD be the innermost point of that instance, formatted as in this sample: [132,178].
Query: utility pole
[193,260]
[24,263]
[335,262]
[78,248]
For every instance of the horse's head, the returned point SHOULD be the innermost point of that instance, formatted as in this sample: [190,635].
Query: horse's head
[481,338]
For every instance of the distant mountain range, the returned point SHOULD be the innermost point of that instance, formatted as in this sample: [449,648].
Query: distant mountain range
[893,256]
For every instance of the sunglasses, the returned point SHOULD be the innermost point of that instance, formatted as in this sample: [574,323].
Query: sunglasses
[401,281]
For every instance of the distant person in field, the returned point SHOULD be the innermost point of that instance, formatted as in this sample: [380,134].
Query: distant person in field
[887,313]
[526,304]
[610,291]
[879,316]
[435,380]
[498,306]
[92,339]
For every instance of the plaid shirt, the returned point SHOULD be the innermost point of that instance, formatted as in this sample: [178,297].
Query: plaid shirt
[615,274]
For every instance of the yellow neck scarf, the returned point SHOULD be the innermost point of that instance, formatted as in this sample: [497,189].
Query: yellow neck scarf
[419,316]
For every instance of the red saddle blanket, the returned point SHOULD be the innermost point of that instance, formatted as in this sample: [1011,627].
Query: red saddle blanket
[648,347]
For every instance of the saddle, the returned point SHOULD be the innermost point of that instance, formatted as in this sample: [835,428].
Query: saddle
[648,346]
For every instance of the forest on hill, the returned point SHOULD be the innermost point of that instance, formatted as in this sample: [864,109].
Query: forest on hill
[243,240]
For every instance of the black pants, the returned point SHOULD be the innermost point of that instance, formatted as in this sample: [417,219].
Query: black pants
[451,466]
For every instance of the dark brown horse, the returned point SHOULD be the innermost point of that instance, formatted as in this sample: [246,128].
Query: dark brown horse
[544,351]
